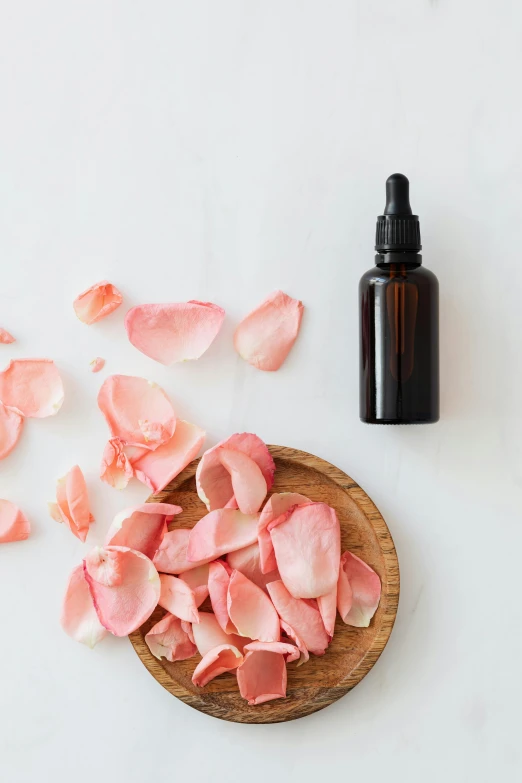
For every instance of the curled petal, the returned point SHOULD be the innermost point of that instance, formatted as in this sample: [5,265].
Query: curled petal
[167,639]
[264,338]
[14,526]
[175,332]
[96,302]
[247,560]
[79,619]
[97,364]
[178,599]
[296,639]
[278,504]
[142,527]
[219,532]
[73,503]
[248,483]
[208,634]
[221,659]
[116,468]
[197,580]
[251,610]
[300,615]
[187,627]
[290,651]
[262,676]
[137,411]
[218,582]
[5,337]
[157,468]
[11,423]
[171,557]
[327,605]
[358,591]
[213,480]
[32,387]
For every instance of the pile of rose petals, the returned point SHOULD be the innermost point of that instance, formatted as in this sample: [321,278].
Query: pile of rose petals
[272,570]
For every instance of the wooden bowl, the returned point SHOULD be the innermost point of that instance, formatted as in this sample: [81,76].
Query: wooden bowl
[353,651]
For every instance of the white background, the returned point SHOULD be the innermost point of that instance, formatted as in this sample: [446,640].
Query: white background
[220,150]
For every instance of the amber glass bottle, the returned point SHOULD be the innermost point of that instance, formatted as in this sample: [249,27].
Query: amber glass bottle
[399,321]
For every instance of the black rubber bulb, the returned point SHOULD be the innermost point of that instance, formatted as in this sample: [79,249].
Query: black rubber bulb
[397,195]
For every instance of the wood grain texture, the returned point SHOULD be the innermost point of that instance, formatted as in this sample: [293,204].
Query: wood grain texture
[353,651]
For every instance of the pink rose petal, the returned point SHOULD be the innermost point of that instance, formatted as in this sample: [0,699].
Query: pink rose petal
[197,580]
[248,483]
[13,524]
[264,338]
[32,387]
[221,659]
[289,651]
[296,639]
[172,333]
[124,586]
[358,591]
[171,557]
[11,424]
[327,605]
[96,302]
[5,337]
[218,583]
[248,561]
[97,364]
[137,411]
[278,504]
[219,532]
[116,468]
[208,634]
[72,500]
[79,619]
[213,480]
[251,610]
[262,676]
[178,599]
[302,616]
[167,639]
[187,627]
[142,527]
[157,468]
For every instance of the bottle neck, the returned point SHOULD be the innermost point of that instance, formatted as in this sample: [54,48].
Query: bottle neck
[409,258]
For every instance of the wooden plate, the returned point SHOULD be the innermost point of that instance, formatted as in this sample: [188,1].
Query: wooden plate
[353,651]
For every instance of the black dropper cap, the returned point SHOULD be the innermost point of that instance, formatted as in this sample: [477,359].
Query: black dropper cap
[397,230]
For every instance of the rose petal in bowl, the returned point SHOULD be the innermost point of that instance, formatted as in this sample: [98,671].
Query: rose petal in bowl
[142,527]
[248,561]
[197,580]
[72,500]
[251,610]
[219,532]
[177,598]
[278,504]
[32,387]
[14,526]
[116,468]
[6,337]
[290,651]
[327,605]
[167,639]
[248,483]
[208,634]
[296,639]
[11,424]
[217,661]
[79,619]
[157,468]
[358,591]
[218,583]
[96,302]
[302,616]
[171,557]
[262,676]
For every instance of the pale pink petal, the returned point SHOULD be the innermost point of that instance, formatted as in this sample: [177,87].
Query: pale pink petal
[32,387]
[197,580]
[14,526]
[11,423]
[124,586]
[248,483]
[176,332]
[116,468]
[213,481]
[221,659]
[262,676]
[54,511]
[302,616]
[290,651]
[327,605]
[73,503]
[5,337]
[307,546]
[251,610]
[187,627]
[157,468]
[142,527]
[97,364]
[79,619]
[137,411]
[167,639]
[359,591]
[247,560]
[265,337]
[171,557]
[221,531]
[278,504]
[218,582]
[178,599]
[296,639]
[96,302]
[208,634]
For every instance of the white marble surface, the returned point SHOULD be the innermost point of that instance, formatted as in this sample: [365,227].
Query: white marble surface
[219,150]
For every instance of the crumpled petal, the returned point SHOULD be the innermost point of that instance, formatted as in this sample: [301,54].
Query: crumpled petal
[124,586]
[6,337]
[171,557]
[72,500]
[32,387]
[247,560]
[167,639]
[217,661]
[278,504]
[251,610]
[96,302]
[178,599]
[296,639]
[302,616]
[11,424]
[137,411]
[327,605]
[262,676]
[248,483]
[157,468]
[197,580]
[307,546]
[264,338]
[79,619]
[142,527]
[218,582]
[116,468]
[208,634]
[97,364]
[213,480]
[290,651]
[221,531]
[175,332]
[14,525]
[358,591]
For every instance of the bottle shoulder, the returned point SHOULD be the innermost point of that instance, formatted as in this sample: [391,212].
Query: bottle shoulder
[388,273]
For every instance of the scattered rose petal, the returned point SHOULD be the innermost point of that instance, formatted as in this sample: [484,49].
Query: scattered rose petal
[327,605]
[172,333]
[221,659]
[262,676]
[213,480]
[358,591]
[124,586]
[302,616]
[251,610]
[278,504]
[171,557]
[178,599]
[142,527]
[290,651]
[264,338]
[5,337]
[11,424]
[221,531]
[72,501]
[97,364]
[218,582]
[197,580]
[32,387]
[137,411]
[116,468]
[167,639]
[208,634]
[13,524]
[157,468]
[247,560]
[79,619]
[248,483]
[296,639]
[96,302]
